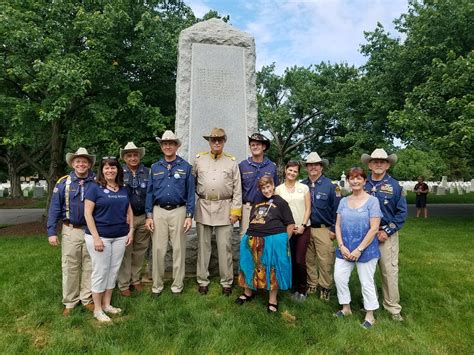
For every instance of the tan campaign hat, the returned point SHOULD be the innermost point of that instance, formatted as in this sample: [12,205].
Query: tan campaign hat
[169,136]
[314,158]
[81,152]
[131,147]
[216,133]
[381,154]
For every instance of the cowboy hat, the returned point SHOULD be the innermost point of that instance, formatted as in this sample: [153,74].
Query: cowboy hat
[81,152]
[258,137]
[131,147]
[169,136]
[314,158]
[381,154]
[216,133]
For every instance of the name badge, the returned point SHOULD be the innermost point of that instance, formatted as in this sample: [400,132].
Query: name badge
[106,191]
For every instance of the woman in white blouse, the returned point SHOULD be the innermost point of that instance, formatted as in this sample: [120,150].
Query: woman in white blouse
[298,197]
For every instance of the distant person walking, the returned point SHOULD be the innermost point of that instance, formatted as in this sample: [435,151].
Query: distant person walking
[67,205]
[421,189]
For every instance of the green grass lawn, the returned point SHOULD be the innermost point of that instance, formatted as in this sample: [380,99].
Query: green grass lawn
[449,198]
[436,286]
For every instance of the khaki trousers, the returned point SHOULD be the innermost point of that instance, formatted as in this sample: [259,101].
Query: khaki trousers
[388,264]
[129,272]
[245,220]
[320,258]
[224,251]
[76,268]
[168,227]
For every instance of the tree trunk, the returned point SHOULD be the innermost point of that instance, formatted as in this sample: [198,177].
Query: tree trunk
[56,167]
[14,176]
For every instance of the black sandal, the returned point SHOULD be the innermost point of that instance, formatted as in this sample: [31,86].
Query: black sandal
[240,301]
[269,308]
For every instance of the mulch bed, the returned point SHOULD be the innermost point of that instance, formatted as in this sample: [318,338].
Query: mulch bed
[17,202]
[24,229]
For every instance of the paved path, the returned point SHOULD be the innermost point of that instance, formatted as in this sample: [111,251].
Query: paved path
[18,216]
[25,215]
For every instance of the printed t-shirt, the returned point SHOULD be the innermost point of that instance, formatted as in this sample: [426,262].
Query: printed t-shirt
[110,211]
[270,216]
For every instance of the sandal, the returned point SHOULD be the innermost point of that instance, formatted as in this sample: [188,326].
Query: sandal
[102,317]
[112,310]
[240,301]
[341,314]
[367,325]
[270,306]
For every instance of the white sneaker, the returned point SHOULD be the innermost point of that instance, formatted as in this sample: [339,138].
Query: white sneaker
[112,310]
[102,317]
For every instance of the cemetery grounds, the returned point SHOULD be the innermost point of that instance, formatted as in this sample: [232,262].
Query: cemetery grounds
[436,286]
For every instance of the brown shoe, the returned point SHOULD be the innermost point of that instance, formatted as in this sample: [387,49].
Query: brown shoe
[203,290]
[89,307]
[126,293]
[137,287]
[67,312]
[227,291]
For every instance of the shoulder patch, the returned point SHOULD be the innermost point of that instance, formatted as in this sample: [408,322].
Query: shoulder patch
[229,156]
[62,178]
[202,153]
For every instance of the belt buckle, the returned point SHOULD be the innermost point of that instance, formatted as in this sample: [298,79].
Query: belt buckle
[212,197]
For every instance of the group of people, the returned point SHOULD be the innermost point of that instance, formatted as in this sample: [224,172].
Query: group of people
[288,230]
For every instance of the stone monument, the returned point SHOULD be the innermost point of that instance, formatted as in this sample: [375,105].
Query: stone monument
[215,87]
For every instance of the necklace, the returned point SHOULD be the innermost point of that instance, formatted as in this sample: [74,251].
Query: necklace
[113,188]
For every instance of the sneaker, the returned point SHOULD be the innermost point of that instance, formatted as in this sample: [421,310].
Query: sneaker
[397,317]
[325,294]
[102,317]
[299,297]
[112,310]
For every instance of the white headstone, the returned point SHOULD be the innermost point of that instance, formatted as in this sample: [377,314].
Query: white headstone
[215,87]
[444,181]
[441,190]
[472,185]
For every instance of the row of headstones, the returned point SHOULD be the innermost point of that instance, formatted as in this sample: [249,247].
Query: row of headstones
[38,189]
[437,187]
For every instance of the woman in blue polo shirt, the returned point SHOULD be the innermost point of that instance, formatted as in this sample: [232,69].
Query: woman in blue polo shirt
[109,230]
[357,223]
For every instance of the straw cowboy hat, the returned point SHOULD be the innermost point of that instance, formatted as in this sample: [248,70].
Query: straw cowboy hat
[381,154]
[258,137]
[314,158]
[81,152]
[216,133]
[169,136]
[131,147]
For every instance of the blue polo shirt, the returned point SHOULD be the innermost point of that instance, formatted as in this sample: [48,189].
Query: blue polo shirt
[250,173]
[324,202]
[392,202]
[110,211]
[171,183]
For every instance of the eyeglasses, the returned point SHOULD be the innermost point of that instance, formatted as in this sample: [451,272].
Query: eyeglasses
[216,140]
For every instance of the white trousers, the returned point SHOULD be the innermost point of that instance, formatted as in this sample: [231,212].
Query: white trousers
[366,271]
[106,263]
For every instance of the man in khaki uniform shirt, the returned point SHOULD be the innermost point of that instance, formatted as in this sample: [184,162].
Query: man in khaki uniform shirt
[218,207]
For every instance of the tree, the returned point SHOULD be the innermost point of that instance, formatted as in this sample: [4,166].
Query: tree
[426,80]
[96,74]
[299,108]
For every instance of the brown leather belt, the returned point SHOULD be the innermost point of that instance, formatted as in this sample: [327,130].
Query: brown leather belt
[67,224]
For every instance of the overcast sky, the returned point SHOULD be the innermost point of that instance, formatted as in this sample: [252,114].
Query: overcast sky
[306,32]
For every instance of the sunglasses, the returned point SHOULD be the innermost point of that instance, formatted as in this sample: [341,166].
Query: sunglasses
[109,158]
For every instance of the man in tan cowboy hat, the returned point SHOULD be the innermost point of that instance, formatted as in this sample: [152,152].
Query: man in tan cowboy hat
[251,170]
[394,208]
[320,255]
[218,207]
[67,205]
[135,178]
[169,211]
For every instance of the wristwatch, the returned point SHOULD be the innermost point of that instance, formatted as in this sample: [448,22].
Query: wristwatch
[360,249]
